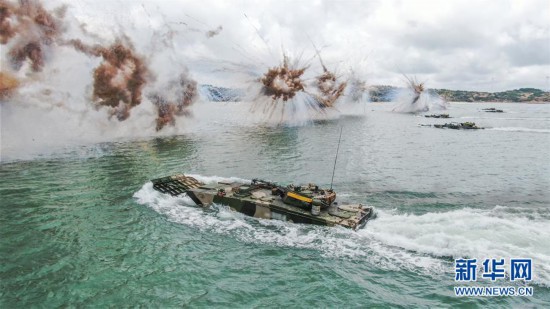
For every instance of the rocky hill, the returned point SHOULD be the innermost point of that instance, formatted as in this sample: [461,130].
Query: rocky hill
[517,95]
[385,94]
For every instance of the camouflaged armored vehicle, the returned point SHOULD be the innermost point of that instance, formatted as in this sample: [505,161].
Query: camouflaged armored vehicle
[437,116]
[267,200]
[492,110]
[458,126]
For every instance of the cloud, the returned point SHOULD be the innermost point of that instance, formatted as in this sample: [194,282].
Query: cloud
[452,44]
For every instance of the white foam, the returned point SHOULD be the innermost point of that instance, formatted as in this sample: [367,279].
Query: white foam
[507,118]
[519,129]
[498,232]
[216,179]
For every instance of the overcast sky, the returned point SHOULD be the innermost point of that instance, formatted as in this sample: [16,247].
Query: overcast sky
[469,45]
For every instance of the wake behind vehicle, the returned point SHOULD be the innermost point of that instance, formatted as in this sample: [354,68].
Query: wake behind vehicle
[262,199]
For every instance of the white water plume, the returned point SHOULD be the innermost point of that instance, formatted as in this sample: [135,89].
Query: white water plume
[416,98]
[517,129]
[409,102]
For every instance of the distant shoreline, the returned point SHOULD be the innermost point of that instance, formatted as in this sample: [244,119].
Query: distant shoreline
[496,102]
[385,93]
[522,95]
[480,102]
[477,102]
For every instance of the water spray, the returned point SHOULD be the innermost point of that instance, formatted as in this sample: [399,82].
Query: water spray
[415,98]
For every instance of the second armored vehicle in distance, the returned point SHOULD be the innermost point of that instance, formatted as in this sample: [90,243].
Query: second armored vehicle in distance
[492,110]
[458,126]
[437,116]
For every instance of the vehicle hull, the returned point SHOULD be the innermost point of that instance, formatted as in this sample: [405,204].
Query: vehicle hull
[261,201]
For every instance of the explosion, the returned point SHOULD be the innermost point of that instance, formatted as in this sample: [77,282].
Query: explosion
[417,87]
[284,85]
[279,87]
[415,99]
[119,79]
[33,29]
[7,31]
[282,82]
[330,89]
[183,93]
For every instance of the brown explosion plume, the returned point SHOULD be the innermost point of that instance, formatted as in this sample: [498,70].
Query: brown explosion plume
[34,28]
[282,82]
[330,89]
[185,94]
[119,79]
[8,85]
[328,85]
[7,30]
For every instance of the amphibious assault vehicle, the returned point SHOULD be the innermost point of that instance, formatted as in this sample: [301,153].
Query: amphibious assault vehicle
[458,126]
[437,116]
[268,200]
[492,110]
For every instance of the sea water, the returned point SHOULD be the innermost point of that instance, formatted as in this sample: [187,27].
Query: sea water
[82,226]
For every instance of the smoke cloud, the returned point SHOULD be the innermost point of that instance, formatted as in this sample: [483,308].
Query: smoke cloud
[119,79]
[33,35]
[282,82]
[330,89]
[33,30]
[174,100]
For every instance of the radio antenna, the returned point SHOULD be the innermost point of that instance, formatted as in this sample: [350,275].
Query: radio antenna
[336,158]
